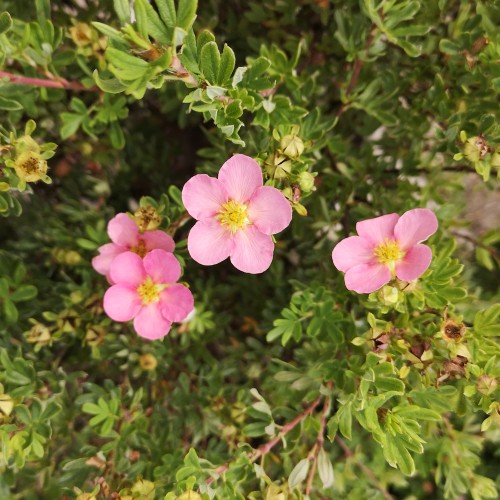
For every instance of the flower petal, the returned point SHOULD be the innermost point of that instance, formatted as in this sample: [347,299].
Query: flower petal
[121,303]
[269,210]
[150,323]
[414,263]
[123,230]
[241,176]
[415,226]
[176,302]
[127,269]
[351,252]
[102,262]
[158,239]
[162,266]
[366,278]
[203,196]
[378,228]
[253,250]
[209,243]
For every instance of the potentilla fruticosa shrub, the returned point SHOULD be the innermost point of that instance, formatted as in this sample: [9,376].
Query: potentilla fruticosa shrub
[250,249]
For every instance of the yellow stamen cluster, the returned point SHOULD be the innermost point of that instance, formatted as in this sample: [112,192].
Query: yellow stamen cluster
[149,291]
[30,167]
[388,252]
[233,216]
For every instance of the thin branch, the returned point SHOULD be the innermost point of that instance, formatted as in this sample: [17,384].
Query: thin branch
[178,223]
[368,472]
[60,83]
[492,250]
[319,441]
[267,447]
[358,65]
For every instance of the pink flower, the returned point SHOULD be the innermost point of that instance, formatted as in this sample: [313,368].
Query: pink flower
[387,247]
[124,234]
[236,216]
[146,291]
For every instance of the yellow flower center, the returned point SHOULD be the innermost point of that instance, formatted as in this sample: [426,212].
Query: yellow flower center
[140,249]
[149,291]
[30,167]
[388,252]
[233,216]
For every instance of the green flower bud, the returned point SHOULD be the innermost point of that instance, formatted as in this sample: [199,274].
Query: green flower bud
[292,146]
[306,181]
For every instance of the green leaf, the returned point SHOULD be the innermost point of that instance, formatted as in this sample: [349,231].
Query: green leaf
[345,420]
[71,123]
[116,135]
[166,8]
[10,104]
[110,32]
[122,9]
[5,22]
[401,455]
[487,322]
[111,85]
[141,17]
[186,13]
[417,413]
[24,293]
[42,10]
[227,64]
[10,311]
[298,474]
[210,62]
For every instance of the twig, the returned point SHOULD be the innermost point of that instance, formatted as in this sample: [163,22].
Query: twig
[492,250]
[177,223]
[267,447]
[368,472]
[358,65]
[319,442]
[60,83]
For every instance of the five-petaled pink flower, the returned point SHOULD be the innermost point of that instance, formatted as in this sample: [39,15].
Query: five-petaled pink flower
[388,246]
[125,235]
[236,216]
[146,291]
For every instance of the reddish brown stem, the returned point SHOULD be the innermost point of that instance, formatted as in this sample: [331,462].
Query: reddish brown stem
[358,65]
[319,442]
[267,447]
[61,83]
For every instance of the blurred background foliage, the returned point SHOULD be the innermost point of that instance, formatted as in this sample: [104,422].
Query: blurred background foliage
[354,109]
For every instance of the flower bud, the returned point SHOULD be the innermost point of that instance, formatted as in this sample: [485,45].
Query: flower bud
[39,334]
[306,181]
[95,335]
[147,218]
[292,146]
[278,166]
